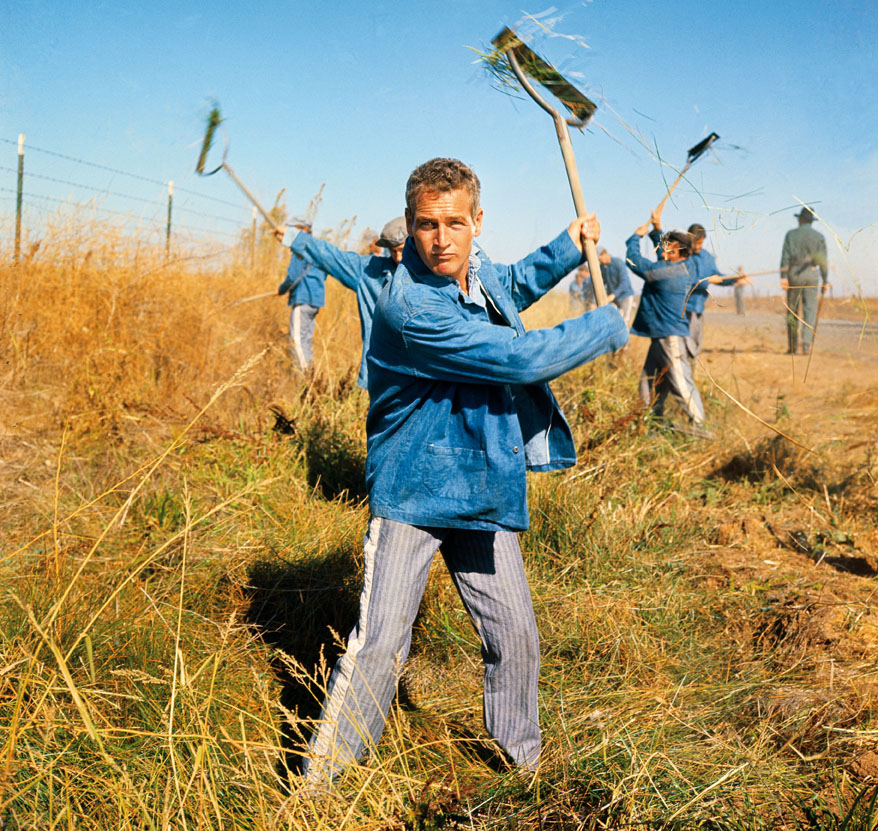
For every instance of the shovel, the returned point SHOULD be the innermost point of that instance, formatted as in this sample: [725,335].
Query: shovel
[692,155]
[213,121]
[523,61]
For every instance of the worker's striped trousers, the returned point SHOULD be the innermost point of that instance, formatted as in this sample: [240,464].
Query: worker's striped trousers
[667,371]
[487,569]
[302,318]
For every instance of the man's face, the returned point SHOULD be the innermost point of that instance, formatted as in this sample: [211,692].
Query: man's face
[697,245]
[443,230]
[671,250]
[396,253]
[605,257]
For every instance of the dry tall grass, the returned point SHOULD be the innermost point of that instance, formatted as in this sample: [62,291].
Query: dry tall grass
[182,517]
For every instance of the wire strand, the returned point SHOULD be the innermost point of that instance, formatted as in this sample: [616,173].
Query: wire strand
[103,191]
[128,216]
[120,172]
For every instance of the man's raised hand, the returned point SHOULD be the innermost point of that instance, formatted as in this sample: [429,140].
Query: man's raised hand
[583,228]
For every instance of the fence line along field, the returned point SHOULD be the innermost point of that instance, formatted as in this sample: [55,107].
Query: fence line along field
[182,518]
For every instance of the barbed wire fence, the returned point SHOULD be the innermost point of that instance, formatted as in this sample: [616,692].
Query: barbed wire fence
[30,197]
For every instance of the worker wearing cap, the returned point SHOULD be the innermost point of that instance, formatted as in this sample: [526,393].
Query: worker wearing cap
[617,283]
[365,274]
[804,266]
[661,318]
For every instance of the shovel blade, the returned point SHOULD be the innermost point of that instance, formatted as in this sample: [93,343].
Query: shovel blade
[701,148]
[213,121]
[546,75]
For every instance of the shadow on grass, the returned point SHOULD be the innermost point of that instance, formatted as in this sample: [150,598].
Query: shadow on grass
[776,458]
[296,607]
[336,461]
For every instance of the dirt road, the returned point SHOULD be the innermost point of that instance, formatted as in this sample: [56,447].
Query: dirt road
[858,338]
[829,398]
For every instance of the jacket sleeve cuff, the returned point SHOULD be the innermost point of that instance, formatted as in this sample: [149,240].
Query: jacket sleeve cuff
[566,250]
[289,235]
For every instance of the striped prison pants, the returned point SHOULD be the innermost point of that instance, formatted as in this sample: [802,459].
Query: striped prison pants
[302,333]
[487,569]
[695,341]
[667,371]
[626,306]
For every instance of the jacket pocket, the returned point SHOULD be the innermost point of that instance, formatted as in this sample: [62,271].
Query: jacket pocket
[454,472]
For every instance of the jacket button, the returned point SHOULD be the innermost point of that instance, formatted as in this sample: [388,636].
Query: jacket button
[515,449]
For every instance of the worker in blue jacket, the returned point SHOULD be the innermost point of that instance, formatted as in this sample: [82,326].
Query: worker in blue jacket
[581,291]
[459,410]
[703,268]
[306,286]
[617,284]
[661,317]
[365,274]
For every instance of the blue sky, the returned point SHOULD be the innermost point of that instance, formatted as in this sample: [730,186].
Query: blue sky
[356,95]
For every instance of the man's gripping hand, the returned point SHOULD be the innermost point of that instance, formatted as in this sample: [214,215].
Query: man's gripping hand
[583,228]
[280,232]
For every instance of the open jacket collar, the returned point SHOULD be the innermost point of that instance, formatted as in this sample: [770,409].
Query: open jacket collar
[480,265]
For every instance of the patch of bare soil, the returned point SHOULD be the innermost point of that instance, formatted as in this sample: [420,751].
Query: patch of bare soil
[800,523]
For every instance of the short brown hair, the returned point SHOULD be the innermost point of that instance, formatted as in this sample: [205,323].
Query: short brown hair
[697,231]
[441,176]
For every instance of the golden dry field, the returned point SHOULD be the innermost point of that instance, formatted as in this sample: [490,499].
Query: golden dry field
[182,516]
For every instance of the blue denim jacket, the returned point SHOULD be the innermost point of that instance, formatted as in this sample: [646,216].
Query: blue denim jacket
[306,285]
[459,404]
[616,282]
[662,309]
[700,265]
[704,266]
[365,275]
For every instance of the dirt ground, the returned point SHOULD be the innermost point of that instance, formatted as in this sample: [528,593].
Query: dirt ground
[817,547]
[831,395]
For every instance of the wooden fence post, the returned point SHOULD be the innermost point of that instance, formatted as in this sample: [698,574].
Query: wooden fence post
[253,243]
[168,227]
[18,199]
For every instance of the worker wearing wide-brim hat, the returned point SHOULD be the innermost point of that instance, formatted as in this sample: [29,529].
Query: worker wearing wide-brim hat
[805,269]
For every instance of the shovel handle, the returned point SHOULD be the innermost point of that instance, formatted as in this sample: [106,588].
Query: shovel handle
[591,254]
[563,132]
[249,195]
[661,205]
